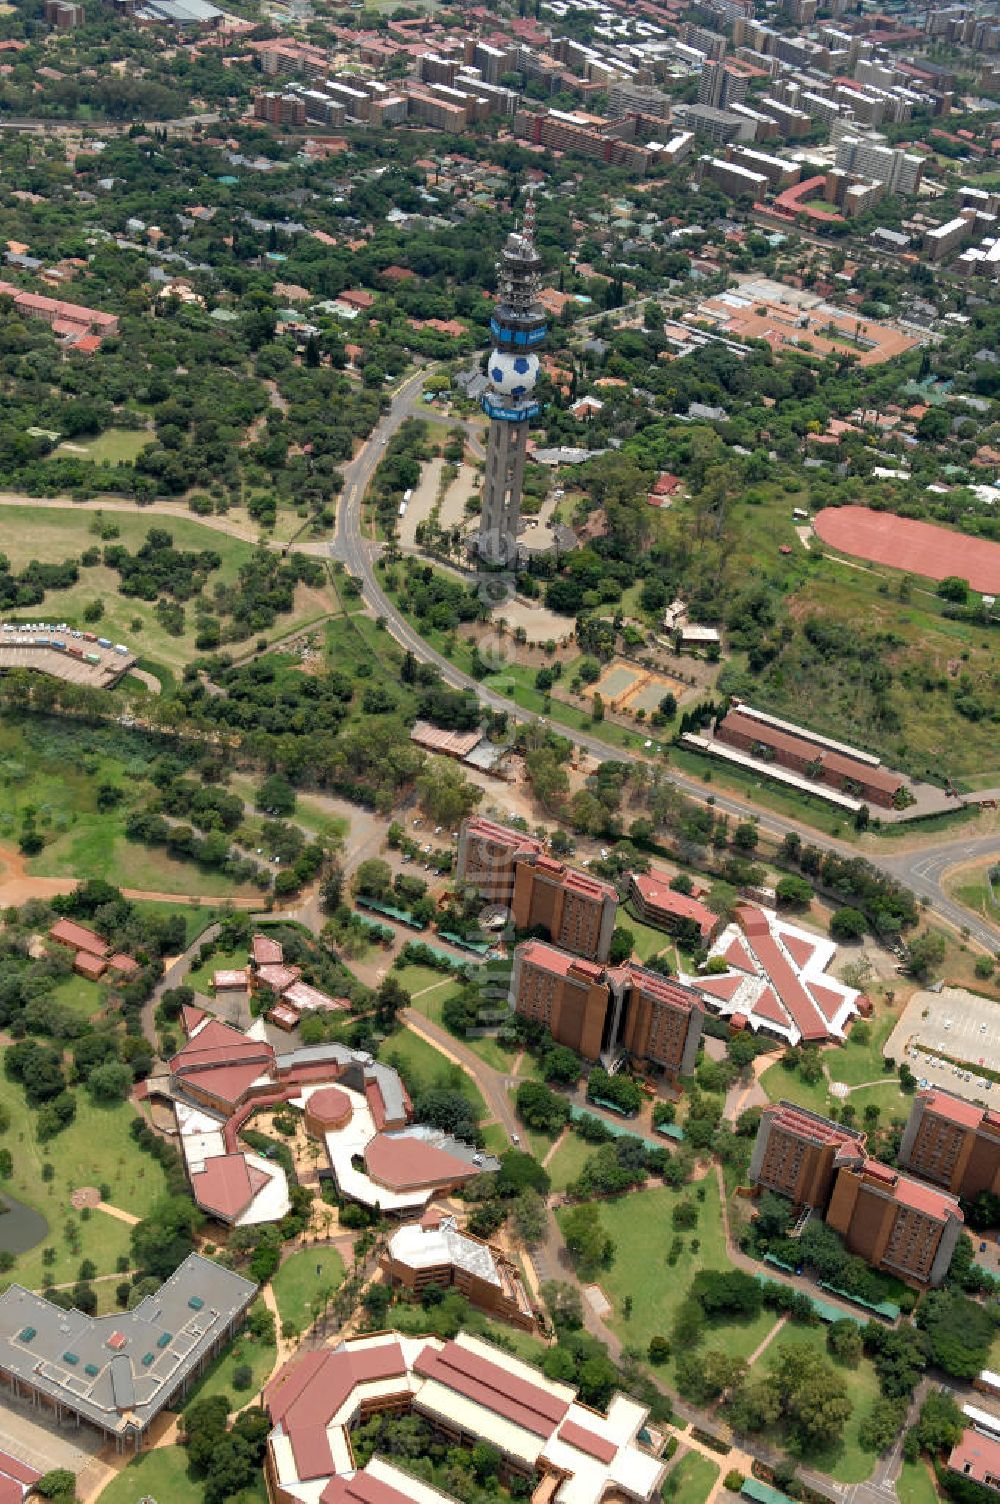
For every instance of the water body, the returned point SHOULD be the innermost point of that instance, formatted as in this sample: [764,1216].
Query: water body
[21,1227]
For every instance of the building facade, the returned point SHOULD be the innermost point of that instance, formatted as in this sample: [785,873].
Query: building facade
[953,1143]
[796,1154]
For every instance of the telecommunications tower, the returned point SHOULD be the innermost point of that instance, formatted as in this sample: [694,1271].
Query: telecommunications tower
[518,328]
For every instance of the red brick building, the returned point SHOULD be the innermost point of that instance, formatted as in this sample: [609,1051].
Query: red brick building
[953,1143]
[810,756]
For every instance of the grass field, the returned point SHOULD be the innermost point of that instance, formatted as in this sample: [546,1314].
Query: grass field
[96,1147]
[161,1474]
[641,1227]
[848,1463]
[113,446]
[57,533]
[78,994]
[245,1351]
[568,1160]
[301,1279]
[691,1480]
[916,1485]
[55,768]
[648,941]
[429,990]
[855,1063]
[420,1062]
[972,888]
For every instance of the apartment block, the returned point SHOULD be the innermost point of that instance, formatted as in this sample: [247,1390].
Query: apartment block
[583,135]
[626,98]
[280,109]
[576,911]
[779,173]
[943,239]
[487,857]
[63,15]
[796,1154]
[737,181]
[722,84]
[869,156]
[711,43]
[889,1219]
[953,1143]
[599,1011]
[721,126]
[895,1223]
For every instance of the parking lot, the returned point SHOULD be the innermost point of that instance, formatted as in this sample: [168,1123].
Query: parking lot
[956,1024]
[36,1438]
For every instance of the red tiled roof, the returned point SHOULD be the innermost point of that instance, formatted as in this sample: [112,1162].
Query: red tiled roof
[216,1044]
[810,1125]
[738,956]
[798,746]
[501,835]
[362,1488]
[227,1185]
[587,1441]
[227,1082]
[406,1162]
[266,952]
[330,1104]
[14,1468]
[800,949]
[724,988]
[794,998]
[307,1393]
[976,1456]
[78,937]
[191,1017]
[89,965]
[278,976]
[655,891]
[125,964]
[549,958]
[486,1383]
[767,1006]
[955,1109]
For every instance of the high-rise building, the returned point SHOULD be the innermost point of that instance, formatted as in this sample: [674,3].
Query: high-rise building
[889,1219]
[601,1010]
[518,329]
[722,84]
[575,910]
[954,1143]
[796,1153]
[870,156]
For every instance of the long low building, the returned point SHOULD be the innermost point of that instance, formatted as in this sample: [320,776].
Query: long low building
[434,1252]
[843,768]
[119,1372]
[467,1391]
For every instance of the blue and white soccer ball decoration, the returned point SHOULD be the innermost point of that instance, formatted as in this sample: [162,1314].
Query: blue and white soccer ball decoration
[513,376]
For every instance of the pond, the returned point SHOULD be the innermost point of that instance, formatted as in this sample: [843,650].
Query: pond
[21,1227]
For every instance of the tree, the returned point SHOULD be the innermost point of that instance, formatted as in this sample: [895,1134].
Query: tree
[59,1485]
[622,945]
[702,1376]
[940,1424]
[374,879]
[530,1221]
[276,796]
[794,892]
[882,1424]
[561,1065]
[565,1305]
[848,924]
[958,1331]
[924,954]
[843,1341]
[164,1238]
[540,1108]
[585,1238]
[745,836]
[814,1398]
[110,1083]
[445,794]
[331,889]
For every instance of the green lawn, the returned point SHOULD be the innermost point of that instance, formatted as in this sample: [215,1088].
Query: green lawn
[301,1279]
[161,1474]
[763,791]
[197,916]
[848,1463]
[418,979]
[495,1138]
[641,1228]
[694,1477]
[567,1162]
[419,1061]
[58,533]
[218,1379]
[81,996]
[855,1063]
[108,448]
[916,1484]
[200,977]
[647,940]
[780,1083]
[96,1147]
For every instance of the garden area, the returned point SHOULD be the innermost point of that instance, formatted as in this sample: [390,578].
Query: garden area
[302,1282]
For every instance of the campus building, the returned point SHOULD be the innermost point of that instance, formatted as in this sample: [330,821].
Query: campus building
[601,1010]
[434,1252]
[889,1219]
[807,753]
[561,1451]
[118,1372]
[797,1153]
[776,980]
[575,910]
[953,1143]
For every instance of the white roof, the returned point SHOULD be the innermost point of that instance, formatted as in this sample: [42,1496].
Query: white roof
[422,1247]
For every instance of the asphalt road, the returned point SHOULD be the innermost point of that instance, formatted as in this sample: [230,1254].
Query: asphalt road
[920,871]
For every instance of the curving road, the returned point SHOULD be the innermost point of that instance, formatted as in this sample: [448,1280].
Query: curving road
[921,871]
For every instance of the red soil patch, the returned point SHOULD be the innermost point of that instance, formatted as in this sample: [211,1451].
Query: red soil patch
[917,547]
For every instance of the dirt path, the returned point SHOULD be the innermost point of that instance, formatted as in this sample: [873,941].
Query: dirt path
[117,1212]
[555,1148]
[248,531]
[18,885]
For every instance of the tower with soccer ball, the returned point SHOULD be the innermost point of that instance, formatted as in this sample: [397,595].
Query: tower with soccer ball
[518,328]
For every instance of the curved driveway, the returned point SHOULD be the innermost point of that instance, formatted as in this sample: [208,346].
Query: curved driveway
[921,871]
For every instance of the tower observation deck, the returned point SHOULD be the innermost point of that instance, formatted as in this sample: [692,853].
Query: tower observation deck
[518,327]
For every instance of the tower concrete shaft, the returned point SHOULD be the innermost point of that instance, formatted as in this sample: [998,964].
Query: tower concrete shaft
[518,328]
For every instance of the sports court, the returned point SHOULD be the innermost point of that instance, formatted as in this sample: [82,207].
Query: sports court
[916,547]
[627,687]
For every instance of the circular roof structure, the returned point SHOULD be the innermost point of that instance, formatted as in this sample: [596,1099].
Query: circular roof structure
[330,1107]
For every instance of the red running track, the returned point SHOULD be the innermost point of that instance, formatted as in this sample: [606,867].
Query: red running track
[916,547]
